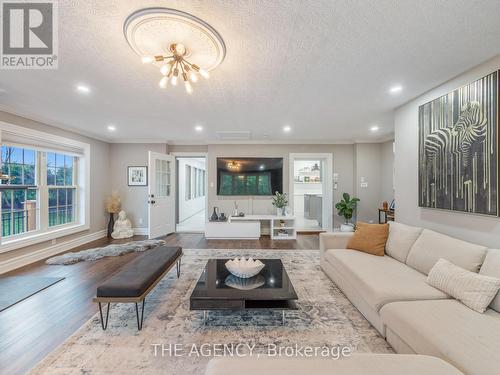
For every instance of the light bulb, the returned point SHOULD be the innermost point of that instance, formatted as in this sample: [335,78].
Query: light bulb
[204,73]
[193,77]
[174,81]
[165,69]
[189,88]
[147,59]
[163,82]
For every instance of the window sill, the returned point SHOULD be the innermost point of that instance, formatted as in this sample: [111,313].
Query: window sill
[33,239]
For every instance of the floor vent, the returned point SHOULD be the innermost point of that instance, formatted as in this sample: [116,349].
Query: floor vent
[233,135]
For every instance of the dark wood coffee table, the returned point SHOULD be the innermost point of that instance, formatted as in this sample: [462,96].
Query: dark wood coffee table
[217,289]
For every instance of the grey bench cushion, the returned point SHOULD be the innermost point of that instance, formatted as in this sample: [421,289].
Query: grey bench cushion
[139,274]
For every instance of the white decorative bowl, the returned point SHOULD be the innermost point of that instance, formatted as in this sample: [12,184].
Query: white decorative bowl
[244,268]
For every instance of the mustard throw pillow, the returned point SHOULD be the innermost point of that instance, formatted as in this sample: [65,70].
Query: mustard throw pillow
[369,238]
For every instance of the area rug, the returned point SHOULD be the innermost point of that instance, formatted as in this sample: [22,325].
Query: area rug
[112,250]
[17,288]
[325,319]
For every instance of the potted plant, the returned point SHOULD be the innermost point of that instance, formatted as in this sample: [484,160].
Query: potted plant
[280,201]
[113,205]
[346,209]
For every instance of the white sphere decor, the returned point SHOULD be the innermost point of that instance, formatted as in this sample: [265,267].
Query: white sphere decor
[244,268]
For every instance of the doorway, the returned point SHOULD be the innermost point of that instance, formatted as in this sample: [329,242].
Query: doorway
[311,191]
[191,194]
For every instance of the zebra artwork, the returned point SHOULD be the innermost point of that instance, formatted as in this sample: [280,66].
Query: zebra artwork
[458,149]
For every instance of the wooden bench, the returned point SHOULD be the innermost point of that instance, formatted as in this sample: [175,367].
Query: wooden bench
[134,282]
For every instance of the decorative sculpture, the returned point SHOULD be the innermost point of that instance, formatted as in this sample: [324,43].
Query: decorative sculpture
[122,227]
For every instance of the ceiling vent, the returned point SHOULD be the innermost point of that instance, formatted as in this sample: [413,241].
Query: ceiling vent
[233,135]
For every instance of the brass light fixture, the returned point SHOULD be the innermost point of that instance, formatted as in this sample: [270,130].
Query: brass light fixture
[176,65]
[179,43]
[233,166]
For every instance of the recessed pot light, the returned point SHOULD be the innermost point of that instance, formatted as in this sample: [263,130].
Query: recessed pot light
[111,128]
[287,129]
[396,89]
[374,128]
[84,89]
[198,128]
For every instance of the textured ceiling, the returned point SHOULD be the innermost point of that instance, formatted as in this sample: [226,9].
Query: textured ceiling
[324,67]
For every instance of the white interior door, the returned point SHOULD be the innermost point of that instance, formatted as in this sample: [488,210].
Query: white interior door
[161,201]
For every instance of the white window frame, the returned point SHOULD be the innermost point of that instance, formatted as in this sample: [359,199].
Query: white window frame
[52,143]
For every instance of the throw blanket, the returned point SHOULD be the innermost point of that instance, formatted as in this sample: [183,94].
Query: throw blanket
[112,250]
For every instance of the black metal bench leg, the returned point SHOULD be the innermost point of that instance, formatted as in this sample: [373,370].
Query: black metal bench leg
[139,323]
[178,268]
[104,324]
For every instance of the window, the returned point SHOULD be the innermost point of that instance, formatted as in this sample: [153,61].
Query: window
[61,188]
[30,204]
[44,186]
[188,182]
[195,182]
[162,178]
[19,203]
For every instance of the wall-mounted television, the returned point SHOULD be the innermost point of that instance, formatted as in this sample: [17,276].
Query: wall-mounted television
[249,176]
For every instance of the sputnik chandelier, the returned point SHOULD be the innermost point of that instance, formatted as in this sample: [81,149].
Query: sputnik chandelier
[175,66]
[178,43]
[233,166]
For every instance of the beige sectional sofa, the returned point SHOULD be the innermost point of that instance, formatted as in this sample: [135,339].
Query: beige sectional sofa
[392,293]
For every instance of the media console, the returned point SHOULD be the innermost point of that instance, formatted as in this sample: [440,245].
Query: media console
[248,227]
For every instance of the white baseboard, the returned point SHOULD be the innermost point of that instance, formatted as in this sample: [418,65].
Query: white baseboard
[141,231]
[49,251]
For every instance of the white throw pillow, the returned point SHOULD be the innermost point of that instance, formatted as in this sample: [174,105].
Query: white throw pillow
[473,290]
[401,239]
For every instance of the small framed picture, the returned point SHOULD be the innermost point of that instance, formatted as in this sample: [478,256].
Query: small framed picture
[137,176]
[392,207]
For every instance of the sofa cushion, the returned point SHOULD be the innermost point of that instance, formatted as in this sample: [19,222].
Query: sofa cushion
[373,364]
[473,290]
[401,239]
[491,267]
[369,238]
[430,246]
[380,280]
[449,330]
[136,277]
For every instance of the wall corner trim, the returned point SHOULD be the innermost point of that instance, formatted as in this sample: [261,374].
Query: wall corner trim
[49,251]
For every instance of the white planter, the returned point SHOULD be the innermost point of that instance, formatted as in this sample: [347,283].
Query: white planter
[347,228]
[281,211]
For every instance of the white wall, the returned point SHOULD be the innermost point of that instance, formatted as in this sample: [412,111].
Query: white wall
[368,171]
[342,164]
[474,228]
[134,198]
[387,170]
[188,208]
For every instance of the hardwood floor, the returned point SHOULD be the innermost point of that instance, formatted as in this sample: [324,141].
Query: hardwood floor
[34,327]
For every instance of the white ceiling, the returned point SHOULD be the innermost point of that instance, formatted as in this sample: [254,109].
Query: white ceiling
[323,67]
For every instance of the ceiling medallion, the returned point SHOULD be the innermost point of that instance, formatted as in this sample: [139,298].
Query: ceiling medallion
[180,44]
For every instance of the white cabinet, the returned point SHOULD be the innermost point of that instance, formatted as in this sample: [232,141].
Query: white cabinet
[248,227]
[233,230]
